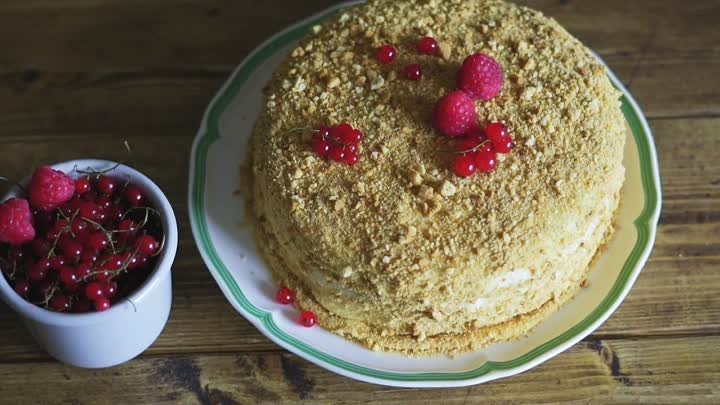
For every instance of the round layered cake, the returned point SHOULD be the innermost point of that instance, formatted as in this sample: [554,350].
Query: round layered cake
[398,252]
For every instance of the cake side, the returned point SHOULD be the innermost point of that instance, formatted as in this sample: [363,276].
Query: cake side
[397,252]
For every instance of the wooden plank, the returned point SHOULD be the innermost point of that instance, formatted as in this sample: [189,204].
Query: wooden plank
[677,293]
[655,371]
[85,73]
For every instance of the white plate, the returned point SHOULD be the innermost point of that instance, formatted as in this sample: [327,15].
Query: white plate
[229,252]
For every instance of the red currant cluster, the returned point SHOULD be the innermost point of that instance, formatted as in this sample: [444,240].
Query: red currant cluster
[477,150]
[338,143]
[79,245]
[286,296]
[387,54]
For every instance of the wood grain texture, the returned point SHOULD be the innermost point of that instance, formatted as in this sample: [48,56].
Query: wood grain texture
[78,77]
[655,371]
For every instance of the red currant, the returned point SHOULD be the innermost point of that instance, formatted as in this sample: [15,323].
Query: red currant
[285,296]
[103,201]
[83,270]
[88,256]
[89,211]
[337,153]
[496,131]
[308,319]
[464,165]
[102,304]
[71,249]
[36,273]
[68,276]
[427,46]
[147,245]
[57,263]
[60,303]
[22,288]
[413,72]
[113,263]
[341,131]
[351,158]
[78,226]
[134,196]
[352,137]
[110,289]
[321,146]
[97,241]
[323,131]
[106,185]
[93,291]
[486,161]
[386,54]
[505,146]
[82,185]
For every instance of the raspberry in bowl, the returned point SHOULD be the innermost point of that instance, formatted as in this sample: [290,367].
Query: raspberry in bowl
[86,248]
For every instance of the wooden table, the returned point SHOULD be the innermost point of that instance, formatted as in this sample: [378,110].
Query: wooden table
[78,77]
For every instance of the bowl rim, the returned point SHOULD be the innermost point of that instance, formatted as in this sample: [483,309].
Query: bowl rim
[162,267]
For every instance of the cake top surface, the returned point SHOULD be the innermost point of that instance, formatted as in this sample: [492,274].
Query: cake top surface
[400,209]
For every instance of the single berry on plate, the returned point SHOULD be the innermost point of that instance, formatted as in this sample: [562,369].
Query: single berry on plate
[78,226]
[97,241]
[480,76]
[134,196]
[496,132]
[106,185]
[72,249]
[83,270]
[307,319]
[413,72]
[486,161]
[82,185]
[454,114]
[386,54]
[16,222]
[427,46]
[285,296]
[464,165]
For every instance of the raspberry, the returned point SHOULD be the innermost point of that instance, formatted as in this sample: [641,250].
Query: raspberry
[454,114]
[480,76]
[16,225]
[50,189]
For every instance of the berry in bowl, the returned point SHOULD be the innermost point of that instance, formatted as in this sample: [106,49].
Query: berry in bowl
[86,249]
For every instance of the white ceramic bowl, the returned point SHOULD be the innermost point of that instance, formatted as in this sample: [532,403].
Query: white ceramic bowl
[104,339]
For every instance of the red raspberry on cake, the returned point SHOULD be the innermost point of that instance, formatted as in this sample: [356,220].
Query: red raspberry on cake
[16,227]
[480,76]
[50,189]
[454,114]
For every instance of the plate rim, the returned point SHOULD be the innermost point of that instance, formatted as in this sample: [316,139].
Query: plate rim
[208,133]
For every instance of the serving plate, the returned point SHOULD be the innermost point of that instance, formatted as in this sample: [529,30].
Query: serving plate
[228,248]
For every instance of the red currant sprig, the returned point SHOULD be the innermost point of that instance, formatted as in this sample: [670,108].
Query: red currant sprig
[478,149]
[338,143]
